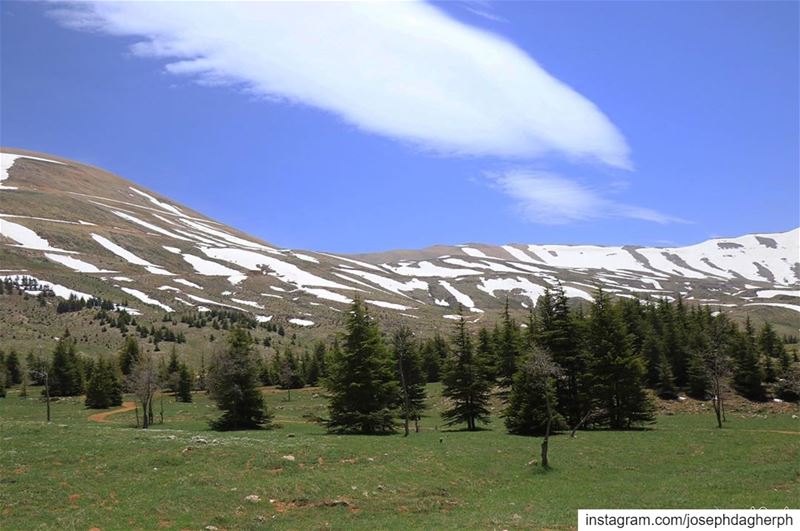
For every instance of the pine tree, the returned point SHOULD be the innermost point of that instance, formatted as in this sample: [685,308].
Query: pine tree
[183,393]
[172,371]
[773,353]
[104,388]
[558,335]
[310,369]
[321,360]
[434,353]
[699,383]
[748,374]
[464,382]
[487,352]
[4,370]
[618,372]
[411,377]
[290,375]
[509,348]
[128,355]
[65,374]
[665,384]
[361,379]
[533,402]
[13,368]
[233,384]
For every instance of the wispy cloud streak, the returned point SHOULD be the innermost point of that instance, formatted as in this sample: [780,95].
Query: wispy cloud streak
[547,198]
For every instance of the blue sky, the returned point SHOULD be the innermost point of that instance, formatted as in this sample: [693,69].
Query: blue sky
[384,127]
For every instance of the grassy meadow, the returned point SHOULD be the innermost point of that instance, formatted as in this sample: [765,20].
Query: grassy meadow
[80,474]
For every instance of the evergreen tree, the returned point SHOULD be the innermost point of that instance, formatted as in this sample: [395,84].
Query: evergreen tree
[233,384]
[172,371]
[487,352]
[748,374]
[464,382]
[104,388]
[699,383]
[434,353]
[665,385]
[311,371]
[411,377]
[533,402]
[290,375]
[3,369]
[509,347]
[65,373]
[361,379]
[773,353]
[558,335]
[321,360]
[618,372]
[128,355]
[13,368]
[183,393]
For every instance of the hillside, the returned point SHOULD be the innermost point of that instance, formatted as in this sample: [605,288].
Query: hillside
[83,231]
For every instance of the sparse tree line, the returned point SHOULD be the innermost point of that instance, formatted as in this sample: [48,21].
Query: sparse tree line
[562,368]
[103,380]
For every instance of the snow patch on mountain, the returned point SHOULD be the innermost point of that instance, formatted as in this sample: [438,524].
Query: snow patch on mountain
[529,289]
[57,289]
[147,225]
[26,237]
[471,251]
[165,206]
[462,298]
[187,283]
[76,265]
[428,269]
[146,299]
[770,293]
[390,305]
[289,273]
[211,268]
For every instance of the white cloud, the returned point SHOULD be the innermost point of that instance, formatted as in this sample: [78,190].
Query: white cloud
[400,69]
[543,197]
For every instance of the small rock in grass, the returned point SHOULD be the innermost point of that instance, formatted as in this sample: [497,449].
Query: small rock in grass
[253,498]
[288,457]
[211,528]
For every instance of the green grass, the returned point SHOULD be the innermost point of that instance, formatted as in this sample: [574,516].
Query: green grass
[76,474]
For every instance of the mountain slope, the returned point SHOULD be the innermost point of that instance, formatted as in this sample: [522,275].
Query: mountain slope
[86,231]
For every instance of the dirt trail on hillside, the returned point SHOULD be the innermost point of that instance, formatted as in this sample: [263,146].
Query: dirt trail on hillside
[103,417]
